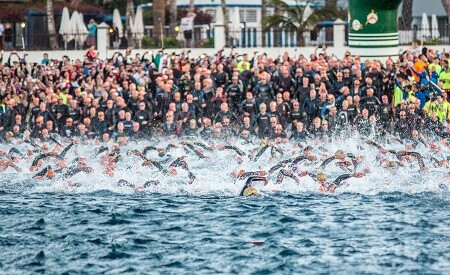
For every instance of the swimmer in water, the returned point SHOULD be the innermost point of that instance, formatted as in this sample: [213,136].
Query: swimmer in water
[249,189]
[342,162]
[147,184]
[321,178]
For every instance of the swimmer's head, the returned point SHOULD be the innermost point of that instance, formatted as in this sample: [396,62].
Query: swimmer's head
[45,147]
[240,173]
[50,174]
[172,171]
[339,154]
[250,191]
[62,164]
[321,176]
[392,165]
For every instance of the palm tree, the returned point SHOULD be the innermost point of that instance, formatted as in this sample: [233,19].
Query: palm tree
[291,18]
[446,4]
[226,16]
[172,16]
[263,19]
[51,25]
[129,22]
[405,24]
[331,4]
[159,18]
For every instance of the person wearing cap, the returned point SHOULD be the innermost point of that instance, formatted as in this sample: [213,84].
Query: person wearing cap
[325,187]
[248,189]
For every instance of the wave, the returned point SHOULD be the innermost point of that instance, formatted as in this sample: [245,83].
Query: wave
[212,169]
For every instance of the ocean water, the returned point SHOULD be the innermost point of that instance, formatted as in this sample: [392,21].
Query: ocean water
[108,232]
[388,222]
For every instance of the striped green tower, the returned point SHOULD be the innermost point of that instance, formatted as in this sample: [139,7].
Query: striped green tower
[373,30]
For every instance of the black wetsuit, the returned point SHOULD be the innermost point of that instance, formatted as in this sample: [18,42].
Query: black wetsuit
[250,181]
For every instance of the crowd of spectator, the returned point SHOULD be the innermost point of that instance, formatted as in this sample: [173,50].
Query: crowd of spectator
[223,97]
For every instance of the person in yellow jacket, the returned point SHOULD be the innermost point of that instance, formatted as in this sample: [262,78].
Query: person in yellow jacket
[436,105]
[444,76]
[244,64]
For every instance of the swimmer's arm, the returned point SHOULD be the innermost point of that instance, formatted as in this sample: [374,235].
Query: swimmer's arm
[328,160]
[42,172]
[64,152]
[252,174]
[237,150]
[341,178]
[250,181]
[285,173]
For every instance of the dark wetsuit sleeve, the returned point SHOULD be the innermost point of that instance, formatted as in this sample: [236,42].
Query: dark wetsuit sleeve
[419,158]
[285,173]
[250,174]
[41,156]
[71,172]
[435,160]
[274,150]
[150,183]
[198,153]
[328,160]
[341,178]
[101,150]
[64,152]
[191,177]
[203,146]
[179,162]
[279,165]
[42,172]
[249,183]
[297,160]
[117,158]
[237,150]
[14,151]
[370,142]
[354,160]
[170,146]
[312,175]
[55,141]
[123,182]
[261,151]
[148,148]
[160,168]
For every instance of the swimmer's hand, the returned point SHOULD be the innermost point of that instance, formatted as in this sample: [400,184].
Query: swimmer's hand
[88,170]
[359,174]
[302,174]
[147,163]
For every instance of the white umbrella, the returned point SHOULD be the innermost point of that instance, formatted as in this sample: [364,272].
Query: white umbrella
[237,24]
[434,27]
[307,13]
[138,26]
[73,33]
[425,26]
[64,28]
[82,29]
[118,22]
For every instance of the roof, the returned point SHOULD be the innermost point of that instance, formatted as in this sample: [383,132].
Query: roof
[237,3]
[431,7]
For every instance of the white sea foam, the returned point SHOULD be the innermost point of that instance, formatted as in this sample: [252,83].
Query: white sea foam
[213,174]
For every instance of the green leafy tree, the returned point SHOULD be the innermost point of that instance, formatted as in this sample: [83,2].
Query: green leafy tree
[292,18]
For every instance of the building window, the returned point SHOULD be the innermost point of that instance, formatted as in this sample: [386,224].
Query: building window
[251,16]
